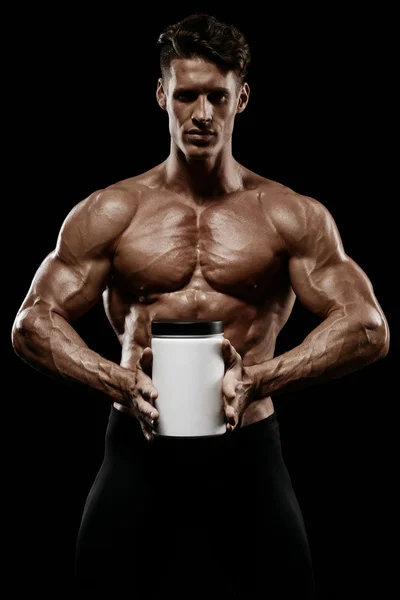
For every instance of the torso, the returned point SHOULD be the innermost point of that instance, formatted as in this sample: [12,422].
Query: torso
[222,259]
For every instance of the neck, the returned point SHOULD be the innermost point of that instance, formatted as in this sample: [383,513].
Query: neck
[202,179]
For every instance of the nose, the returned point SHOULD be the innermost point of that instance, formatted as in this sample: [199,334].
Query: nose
[202,111]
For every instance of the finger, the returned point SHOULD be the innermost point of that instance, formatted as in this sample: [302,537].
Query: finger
[229,388]
[231,426]
[143,375]
[145,387]
[147,431]
[147,411]
[231,414]
[233,360]
[148,418]
[146,361]
[228,353]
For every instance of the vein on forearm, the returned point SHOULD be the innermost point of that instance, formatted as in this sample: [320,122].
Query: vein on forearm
[337,346]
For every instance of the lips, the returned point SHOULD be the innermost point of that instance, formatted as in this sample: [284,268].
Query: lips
[200,132]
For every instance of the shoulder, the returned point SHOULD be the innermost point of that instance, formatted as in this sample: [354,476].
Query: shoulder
[109,209]
[120,200]
[98,221]
[113,203]
[296,217]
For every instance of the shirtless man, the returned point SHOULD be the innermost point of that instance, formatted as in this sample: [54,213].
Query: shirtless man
[199,236]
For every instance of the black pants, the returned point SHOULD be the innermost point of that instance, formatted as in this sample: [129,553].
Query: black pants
[194,518]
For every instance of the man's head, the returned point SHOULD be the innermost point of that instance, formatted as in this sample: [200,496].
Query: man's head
[203,65]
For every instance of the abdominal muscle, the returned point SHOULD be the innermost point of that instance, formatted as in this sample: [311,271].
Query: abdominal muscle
[132,349]
[238,331]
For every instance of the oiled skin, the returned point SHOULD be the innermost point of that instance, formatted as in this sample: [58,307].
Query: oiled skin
[201,237]
[155,255]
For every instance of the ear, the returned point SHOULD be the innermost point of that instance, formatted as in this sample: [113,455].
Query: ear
[160,94]
[243,98]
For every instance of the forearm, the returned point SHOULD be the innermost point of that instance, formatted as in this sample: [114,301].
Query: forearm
[338,346]
[52,346]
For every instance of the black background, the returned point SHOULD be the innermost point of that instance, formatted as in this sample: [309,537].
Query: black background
[82,114]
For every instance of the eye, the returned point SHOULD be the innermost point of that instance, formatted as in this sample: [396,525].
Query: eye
[185,96]
[216,97]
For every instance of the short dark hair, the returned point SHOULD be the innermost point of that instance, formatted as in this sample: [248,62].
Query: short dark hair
[202,35]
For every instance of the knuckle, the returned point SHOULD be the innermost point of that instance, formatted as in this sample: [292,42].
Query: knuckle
[144,410]
[139,375]
[142,379]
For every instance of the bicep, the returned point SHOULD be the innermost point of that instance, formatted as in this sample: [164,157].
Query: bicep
[69,289]
[73,277]
[338,283]
[323,276]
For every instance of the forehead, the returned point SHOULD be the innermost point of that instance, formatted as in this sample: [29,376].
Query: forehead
[200,74]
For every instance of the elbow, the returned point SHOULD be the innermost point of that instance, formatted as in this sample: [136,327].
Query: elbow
[378,335]
[22,333]
[384,340]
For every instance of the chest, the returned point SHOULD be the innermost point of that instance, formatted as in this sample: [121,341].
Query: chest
[225,244]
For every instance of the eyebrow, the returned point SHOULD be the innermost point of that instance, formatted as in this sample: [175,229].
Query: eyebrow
[221,90]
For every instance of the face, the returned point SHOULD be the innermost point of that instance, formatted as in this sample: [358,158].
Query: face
[202,102]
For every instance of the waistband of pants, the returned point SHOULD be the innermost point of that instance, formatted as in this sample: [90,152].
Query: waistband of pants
[128,428]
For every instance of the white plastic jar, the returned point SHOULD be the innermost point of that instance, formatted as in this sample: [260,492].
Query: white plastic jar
[188,369]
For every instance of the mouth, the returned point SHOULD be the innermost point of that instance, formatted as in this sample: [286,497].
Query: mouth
[200,134]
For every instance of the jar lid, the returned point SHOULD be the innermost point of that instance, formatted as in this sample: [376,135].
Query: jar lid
[186,328]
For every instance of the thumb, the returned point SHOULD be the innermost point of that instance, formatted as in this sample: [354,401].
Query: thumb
[229,353]
[230,408]
[228,390]
[146,360]
[230,414]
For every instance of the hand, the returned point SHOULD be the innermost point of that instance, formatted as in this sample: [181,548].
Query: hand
[238,385]
[143,395]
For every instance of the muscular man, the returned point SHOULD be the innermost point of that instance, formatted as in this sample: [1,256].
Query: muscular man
[199,236]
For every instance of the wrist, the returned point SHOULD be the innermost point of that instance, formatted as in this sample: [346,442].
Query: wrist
[121,385]
[254,373]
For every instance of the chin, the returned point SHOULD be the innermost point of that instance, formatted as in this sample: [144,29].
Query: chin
[198,157]
[199,153]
